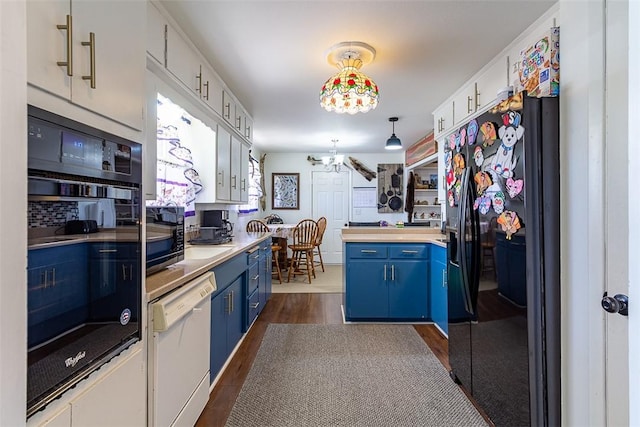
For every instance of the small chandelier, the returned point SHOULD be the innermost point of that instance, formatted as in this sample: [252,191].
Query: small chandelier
[335,161]
[349,91]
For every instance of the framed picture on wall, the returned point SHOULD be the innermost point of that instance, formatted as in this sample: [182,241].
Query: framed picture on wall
[285,192]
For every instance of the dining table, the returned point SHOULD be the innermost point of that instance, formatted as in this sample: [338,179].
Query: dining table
[281,235]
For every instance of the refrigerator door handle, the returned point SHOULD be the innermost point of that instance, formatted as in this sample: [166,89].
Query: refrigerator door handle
[462,240]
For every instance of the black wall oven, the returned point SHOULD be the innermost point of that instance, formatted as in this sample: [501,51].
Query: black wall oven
[84,276]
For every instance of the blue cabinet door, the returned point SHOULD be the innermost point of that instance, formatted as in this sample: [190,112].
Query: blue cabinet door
[219,312]
[407,282]
[438,286]
[265,274]
[367,294]
[234,320]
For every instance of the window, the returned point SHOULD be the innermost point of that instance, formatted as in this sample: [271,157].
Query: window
[254,190]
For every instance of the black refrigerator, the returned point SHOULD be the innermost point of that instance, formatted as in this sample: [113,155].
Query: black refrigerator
[503,184]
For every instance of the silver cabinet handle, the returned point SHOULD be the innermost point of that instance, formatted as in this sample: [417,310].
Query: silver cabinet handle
[234,181]
[199,78]
[444,278]
[206,85]
[393,273]
[477,96]
[69,62]
[385,272]
[107,251]
[257,276]
[368,251]
[255,305]
[92,60]
[409,252]
[469,99]
[221,183]
[243,185]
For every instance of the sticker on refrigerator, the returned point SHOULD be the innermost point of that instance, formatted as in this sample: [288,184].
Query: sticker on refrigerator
[452,142]
[461,139]
[498,202]
[472,131]
[510,223]
[504,161]
[514,187]
[478,156]
[483,181]
[488,130]
[482,203]
[458,164]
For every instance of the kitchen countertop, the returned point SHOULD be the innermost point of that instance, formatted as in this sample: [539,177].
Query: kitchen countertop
[198,260]
[393,234]
[71,239]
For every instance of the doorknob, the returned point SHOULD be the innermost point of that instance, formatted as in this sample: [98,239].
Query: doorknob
[618,303]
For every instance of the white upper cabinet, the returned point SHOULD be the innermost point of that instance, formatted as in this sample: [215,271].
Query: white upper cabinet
[244,173]
[248,128]
[464,103]
[492,80]
[183,62]
[91,54]
[228,108]
[211,89]
[156,34]
[236,168]
[223,165]
[443,118]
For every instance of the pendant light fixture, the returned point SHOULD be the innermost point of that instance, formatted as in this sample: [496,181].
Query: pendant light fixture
[393,143]
[349,91]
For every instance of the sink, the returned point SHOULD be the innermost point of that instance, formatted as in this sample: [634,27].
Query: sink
[204,252]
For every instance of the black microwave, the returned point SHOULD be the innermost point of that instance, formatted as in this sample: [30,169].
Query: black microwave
[165,237]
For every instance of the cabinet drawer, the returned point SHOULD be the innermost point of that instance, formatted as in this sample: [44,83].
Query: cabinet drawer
[253,307]
[408,252]
[112,250]
[253,255]
[253,277]
[363,250]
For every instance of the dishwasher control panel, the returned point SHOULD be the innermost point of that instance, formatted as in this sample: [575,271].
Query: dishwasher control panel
[171,308]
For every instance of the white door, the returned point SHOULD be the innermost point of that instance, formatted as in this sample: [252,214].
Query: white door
[331,200]
[619,192]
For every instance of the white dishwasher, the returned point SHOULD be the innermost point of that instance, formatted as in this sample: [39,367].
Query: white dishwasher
[179,354]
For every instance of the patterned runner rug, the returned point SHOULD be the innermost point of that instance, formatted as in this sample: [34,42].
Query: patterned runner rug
[349,375]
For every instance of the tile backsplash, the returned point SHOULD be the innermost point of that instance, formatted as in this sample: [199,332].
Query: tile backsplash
[50,214]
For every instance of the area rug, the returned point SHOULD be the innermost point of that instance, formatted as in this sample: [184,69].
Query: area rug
[328,281]
[349,375]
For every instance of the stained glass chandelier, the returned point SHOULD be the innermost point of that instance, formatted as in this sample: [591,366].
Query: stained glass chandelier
[349,91]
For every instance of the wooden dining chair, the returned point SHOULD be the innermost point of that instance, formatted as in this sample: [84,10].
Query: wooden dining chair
[304,239]
[322,226]
[257,226]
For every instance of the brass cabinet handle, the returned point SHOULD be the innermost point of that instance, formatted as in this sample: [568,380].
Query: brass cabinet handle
[206,85]
[92,59]
[477,96]
[199,78]
[228,107]
[469,99]
[69,62]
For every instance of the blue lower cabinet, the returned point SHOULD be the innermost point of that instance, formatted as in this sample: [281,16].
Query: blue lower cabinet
[264,285]
[226,324]
[228,308]
[438,287]
[386,281]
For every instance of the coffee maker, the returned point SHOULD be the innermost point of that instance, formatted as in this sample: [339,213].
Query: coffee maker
[215,227]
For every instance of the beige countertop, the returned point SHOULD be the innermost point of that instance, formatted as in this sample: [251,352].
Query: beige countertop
[71,239]
[393,235]
[198,260]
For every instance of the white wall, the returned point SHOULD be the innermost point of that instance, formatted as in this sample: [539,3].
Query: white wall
[297,163]
[13,218]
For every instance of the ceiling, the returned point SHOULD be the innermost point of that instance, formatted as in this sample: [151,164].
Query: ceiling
[272,55]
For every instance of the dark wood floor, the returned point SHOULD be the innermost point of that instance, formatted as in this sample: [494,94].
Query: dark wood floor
[288,308]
